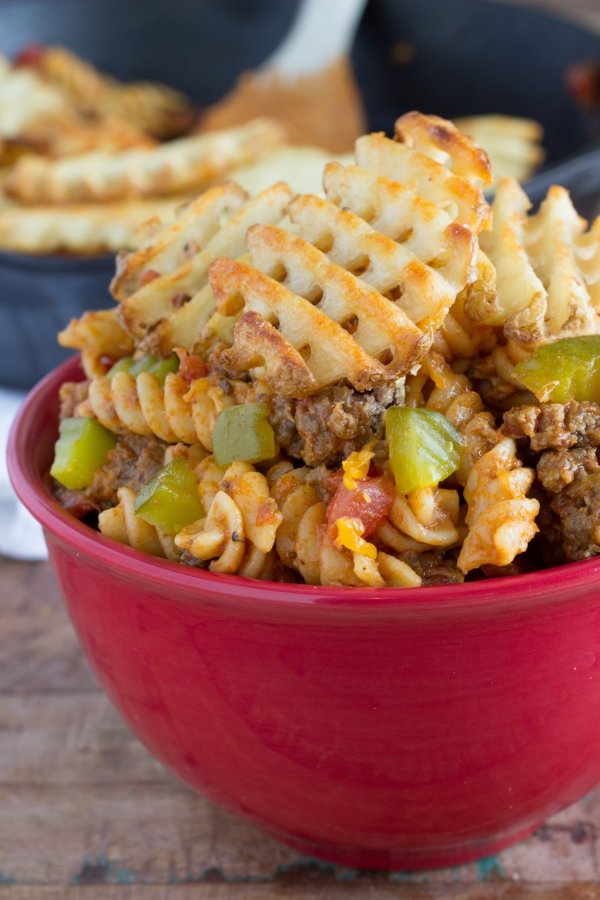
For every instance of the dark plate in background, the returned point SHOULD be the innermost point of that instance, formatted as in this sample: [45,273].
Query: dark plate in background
[470,57]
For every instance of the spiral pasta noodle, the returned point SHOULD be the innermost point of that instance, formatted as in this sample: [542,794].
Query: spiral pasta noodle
[237,534]
[500,516]
[453,396]
[122,524]
[179,410]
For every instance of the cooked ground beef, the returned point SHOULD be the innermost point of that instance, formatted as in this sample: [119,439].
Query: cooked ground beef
[433,567]
[72,393]
[328,426]
[131,463]
[565,439]
[555,425]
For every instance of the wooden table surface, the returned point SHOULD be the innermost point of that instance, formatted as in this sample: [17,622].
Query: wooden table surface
[86,813]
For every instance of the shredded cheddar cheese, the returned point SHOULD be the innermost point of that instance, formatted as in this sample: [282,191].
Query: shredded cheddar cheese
[350,535]
[356,466]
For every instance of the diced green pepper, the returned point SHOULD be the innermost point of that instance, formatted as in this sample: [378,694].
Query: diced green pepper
[243,433]
[423,447]
[79,452]
[169,501]
[568,369]
[149,363]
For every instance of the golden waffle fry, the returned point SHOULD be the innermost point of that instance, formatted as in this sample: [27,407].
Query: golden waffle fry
[405,247]
[186,164]
[376,336]
[278,353]
[36,116]
[82,228]
[169,246]
[181,298]
[412,166]
[548,269]
[512,144]
[385,268]
[149,106]
[26,100]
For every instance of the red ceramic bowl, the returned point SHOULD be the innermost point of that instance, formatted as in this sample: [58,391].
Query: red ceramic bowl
[380,728]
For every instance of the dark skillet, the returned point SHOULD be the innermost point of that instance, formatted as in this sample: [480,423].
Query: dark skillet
[470,56]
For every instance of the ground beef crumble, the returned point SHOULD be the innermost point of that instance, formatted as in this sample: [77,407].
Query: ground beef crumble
[327,427]
[434,567]
[565,440]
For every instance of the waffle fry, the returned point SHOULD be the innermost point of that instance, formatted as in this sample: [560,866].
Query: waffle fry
[354,331]
[186,164]
[182,322]
[37,116]
[25,100]
[548,269]
[512,144]
[150,107]
[369,230]
[167,246]
[85,229]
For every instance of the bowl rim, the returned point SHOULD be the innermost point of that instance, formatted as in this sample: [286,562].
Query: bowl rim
[542,587]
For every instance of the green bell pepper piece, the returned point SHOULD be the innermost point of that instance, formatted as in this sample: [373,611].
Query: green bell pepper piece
[80,451]
[169,501]
[423,447]
[149,363]
[568,369]
[243,434]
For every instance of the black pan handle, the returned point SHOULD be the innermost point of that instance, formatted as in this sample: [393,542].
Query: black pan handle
[580,175]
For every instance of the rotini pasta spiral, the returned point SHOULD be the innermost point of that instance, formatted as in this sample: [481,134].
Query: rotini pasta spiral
[500,516]
[238,533]
[453,396]
[121,523]
[179,410]
[98,335]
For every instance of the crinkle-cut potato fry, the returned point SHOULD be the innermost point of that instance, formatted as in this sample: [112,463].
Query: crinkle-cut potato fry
[512,144]
[149,106]
[36,116]
[403,246]
[547,269]
[25,100]
[285,339]
[185,164]
[377,326]
[82,228]
[183,321]
[301,167]
[441,140]
[170,245]
[411,165]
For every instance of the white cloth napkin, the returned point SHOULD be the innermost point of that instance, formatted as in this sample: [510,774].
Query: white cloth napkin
[21,536]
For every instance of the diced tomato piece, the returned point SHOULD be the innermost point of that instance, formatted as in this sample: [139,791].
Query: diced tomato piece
[29,55]
[370,502]
[190,367]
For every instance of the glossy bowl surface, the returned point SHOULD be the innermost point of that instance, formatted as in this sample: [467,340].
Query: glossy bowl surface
[378,728]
